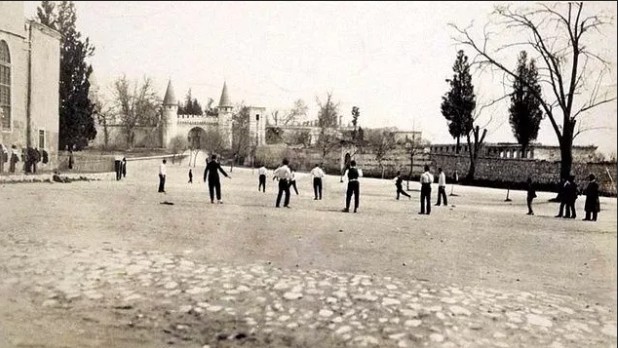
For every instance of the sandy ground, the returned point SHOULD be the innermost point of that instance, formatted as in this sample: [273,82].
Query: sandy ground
[62,247]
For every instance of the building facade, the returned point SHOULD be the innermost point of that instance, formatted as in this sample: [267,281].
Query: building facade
[513,150]
[29,85]
[193,128]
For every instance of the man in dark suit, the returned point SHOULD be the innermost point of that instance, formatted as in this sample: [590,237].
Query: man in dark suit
[214,184]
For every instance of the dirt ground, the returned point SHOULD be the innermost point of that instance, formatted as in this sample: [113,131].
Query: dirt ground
[60,244]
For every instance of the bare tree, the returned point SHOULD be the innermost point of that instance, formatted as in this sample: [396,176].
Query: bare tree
[382,142]
[414,147]
[560,34]
[135,105]
[328,113]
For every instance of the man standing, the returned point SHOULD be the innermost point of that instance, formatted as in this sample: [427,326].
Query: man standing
[162,175]
[283,174]
[352,174]
[118,167]
[441,187]
[399,186]
[262,178]
[592,205]
[426,180]
[317,174]
[214,184]
[124,167]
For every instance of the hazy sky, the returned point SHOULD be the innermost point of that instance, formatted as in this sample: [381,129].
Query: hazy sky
[390,59]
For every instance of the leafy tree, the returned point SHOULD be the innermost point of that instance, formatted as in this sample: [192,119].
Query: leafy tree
[76,126]
[135,105]
[578,78]
[355,116]
[525,113]
[46,14]
[190,107]
[459,102]
[274,135]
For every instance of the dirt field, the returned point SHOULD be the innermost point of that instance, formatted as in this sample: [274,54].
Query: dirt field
[105,264]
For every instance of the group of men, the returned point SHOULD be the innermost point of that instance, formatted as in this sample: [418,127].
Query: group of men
[286,179]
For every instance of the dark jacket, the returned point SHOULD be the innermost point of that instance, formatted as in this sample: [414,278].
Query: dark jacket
[570,192]
[531,191]
[592,197]
[213,167]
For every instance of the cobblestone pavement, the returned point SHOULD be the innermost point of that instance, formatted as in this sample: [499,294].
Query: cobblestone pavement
[216,305]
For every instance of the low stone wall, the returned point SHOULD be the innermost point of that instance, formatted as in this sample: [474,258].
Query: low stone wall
[48,177]
[86,163]
[513,173]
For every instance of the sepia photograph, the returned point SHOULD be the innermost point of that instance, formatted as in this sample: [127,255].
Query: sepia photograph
[308,174]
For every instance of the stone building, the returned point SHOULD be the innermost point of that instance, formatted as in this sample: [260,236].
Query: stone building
[29,83]
[193,127]
[513,150]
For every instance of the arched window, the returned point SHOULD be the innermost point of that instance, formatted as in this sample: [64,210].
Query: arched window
[5,84]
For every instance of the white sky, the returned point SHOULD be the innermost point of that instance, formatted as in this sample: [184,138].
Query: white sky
[390,59]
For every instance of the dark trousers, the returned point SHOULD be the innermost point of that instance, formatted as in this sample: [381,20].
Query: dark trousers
[214,187]
[593,213]
[570,210]
[317,188]
[529,202]
[161,183]
[401,191]
[442,195]
[118,168]
[293,184]
[262,183]
[426,199]
[353,189]
[283,187]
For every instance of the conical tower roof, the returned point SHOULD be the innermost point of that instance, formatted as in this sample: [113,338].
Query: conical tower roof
[225,98]
[170,97]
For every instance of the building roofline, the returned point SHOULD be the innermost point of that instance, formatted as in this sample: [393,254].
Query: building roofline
[45,29]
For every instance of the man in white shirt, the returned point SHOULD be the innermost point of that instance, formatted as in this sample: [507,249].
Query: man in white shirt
[317,174]
[283,174]
[426,180]
[162,175]
[262,172]
[441,187]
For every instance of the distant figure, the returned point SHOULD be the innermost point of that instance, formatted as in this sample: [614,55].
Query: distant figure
[352,173]
[531,195]
[293,181]
[124,167]
[399,186]
[190,176]
[426,180]
[571,196]
[283,174]
[71,159]
[441,187]
[162,175]
[562,196]
[317,173]
[592,205]
[214,183]
[262,172]
[118,167]
[14,158]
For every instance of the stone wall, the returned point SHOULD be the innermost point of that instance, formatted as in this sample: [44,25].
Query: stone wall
[514,172]
[86,163]
[145,137]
